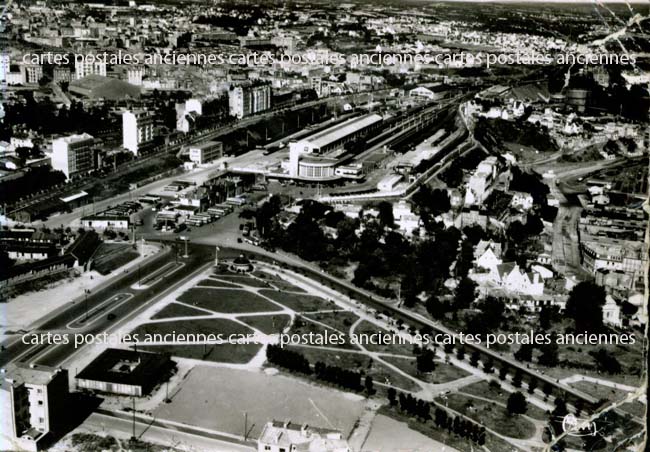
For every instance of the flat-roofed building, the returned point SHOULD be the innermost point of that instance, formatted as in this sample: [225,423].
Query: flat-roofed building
[73,154]
[246,100]
[206,152]
[33,400]
[137,129]
[125,372]
[315,157]
[280,436]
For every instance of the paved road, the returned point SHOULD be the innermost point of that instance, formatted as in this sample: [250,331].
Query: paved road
[161,432]
[121,299]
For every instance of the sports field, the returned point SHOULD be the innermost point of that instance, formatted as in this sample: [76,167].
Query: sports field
[217,398]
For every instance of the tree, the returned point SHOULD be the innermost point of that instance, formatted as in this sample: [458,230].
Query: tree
[386,218]
[465,293]
[369,386]
[392,396]
[488,366]
[549,356]
[503,372]
[525,353]
[425,361]
[473,360]
[585,306]
[460,354]
[517,403]
[532,384]
[516,379]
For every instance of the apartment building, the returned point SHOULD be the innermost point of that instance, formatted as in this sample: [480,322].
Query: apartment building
[73,154]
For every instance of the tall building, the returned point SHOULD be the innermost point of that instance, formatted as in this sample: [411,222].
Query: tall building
[33,401]
[33,73]
[137,129]
[86,67]
[245,100]
[73,154]
[206,152]
[135,74]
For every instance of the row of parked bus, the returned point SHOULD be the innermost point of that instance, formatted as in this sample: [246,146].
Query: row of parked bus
[212,214]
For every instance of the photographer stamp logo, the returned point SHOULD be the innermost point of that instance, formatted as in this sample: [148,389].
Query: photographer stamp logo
[573,426]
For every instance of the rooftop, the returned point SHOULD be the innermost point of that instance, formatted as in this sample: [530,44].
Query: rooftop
[339,131]
[128,367]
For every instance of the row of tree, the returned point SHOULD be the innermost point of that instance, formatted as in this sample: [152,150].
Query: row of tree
[421,410]
[296,362]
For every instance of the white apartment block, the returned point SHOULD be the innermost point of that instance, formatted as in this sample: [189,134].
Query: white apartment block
[84,68]
[73,154]
[137,129]
[33,399]
[206,152]
[248,100]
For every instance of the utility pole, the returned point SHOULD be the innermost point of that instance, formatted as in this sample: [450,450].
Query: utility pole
[86,305]
[185,255]
[245,425]
[216,256]
[133,438]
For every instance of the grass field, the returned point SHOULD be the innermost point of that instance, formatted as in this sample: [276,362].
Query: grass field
[357,362]
[389,434]
[483,389]
[215,283]
[493,443]
[299,303]
[443,373]
[268,324]
[278,282]
[177,310]
[491,416]
[367,328]
[222,353]
[227,301]
[302,326]
[196,326]
[218,398]
[339,320]
[245,280]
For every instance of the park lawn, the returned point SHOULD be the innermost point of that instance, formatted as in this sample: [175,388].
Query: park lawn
[298,302]
[367,329]
[599,391]
[339,320]
[214,283]
[195,326]
[220,353]
[443,373]
[244,281]
[177,310]
[483,389]
[227,300]
[111,256]
[277,282]
[359,363]
[303,326]
[429,429]
[491,415]
[268,324]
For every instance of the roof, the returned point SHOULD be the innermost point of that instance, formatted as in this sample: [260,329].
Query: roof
[84,247]
[339,131]
[19,372]
[292,436]
[128,367]
[97,86]
[74,197]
